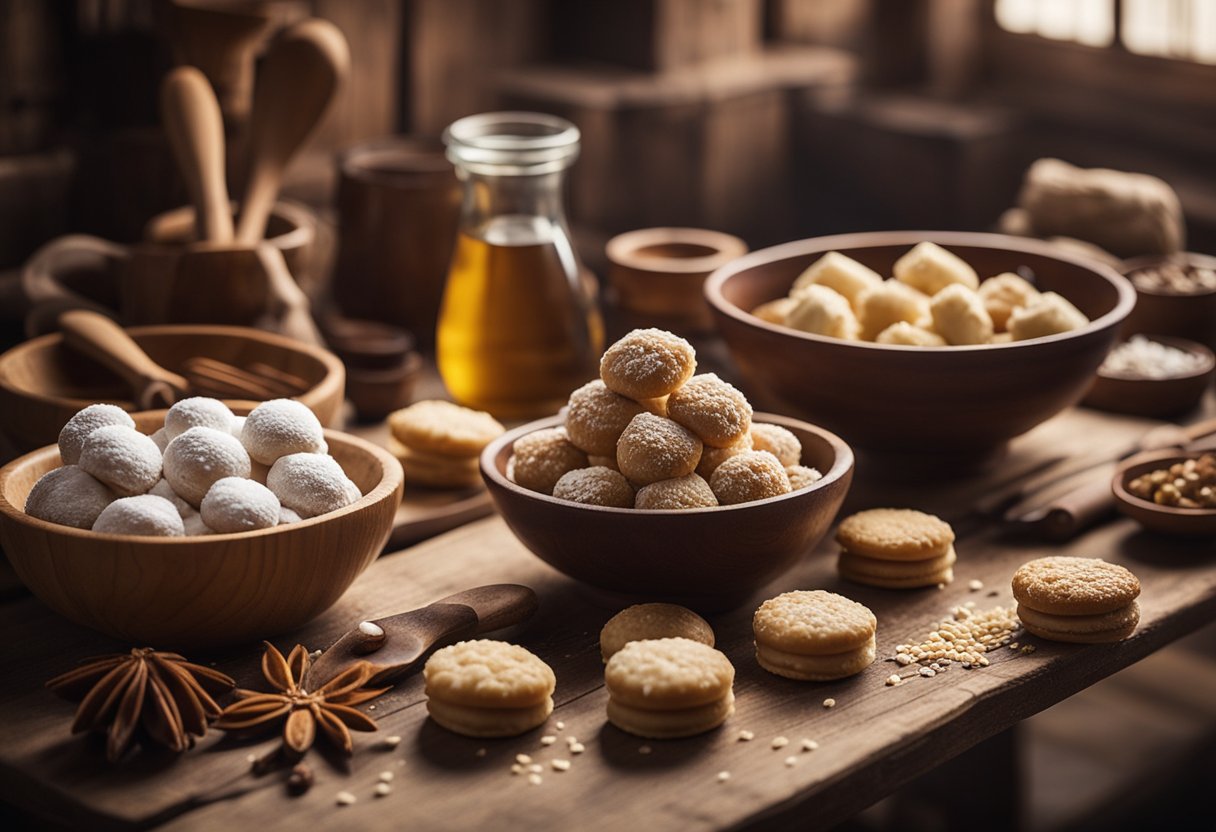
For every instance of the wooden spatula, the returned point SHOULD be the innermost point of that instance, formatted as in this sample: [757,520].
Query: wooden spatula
[297,79]
[99,337]
[196,132]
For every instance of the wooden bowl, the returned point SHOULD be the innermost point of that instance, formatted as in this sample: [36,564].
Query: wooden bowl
[1193,522]
[709,559]
[1191,315]
[200,592]
[43,383]
[1155,397]
[961,401]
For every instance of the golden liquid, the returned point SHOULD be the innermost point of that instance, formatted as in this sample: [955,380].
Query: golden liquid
[516,333]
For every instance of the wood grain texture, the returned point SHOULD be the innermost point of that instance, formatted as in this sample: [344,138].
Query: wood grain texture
[874,740]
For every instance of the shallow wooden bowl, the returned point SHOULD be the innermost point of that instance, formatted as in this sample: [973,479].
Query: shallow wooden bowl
[1192,522]
[1190,315]
[43,382]
[1156,397]
[962,401]
[709,559]
[200,592]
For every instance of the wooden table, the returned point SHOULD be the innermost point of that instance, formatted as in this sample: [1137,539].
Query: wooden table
[875,739]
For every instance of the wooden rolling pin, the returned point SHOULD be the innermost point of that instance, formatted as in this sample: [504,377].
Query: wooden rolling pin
[196,132]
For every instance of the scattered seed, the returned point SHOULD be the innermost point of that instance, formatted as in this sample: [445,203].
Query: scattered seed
[928,672]
[535,779]
[894,679]
[561,726]
[523,759]
[345,798]
[809,745]
[1027,649]
[780,742]
[577,748]
[829,703]
[941,586]
[560,765]
[548,739]
[516,768]
[644,749]
[371,707]
[536,768]
[975,585]
[790,762]
[746,736]
[383,789]
[723,776]
[386,776]
[903,659]
[391,742]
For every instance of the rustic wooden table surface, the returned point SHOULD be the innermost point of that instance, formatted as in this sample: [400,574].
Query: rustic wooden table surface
[875,739]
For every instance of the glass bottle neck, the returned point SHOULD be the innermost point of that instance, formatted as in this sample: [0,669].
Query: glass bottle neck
[493,203]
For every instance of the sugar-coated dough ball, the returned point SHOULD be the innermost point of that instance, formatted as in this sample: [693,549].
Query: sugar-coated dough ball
[691,491]
[801,476]
[775,311]
[287,515]
[778,441]
[959,316]
[311,484]
[1003,294]
[541,457]
[1049,314]
[122,458]
[647,364]
[161,438]
[653,448]
[236,426]
[890,303]
[839,272]
[199,457]
[280,427]
[930,268]
[68,496]
[77,429]
[754,475]
[163,489]
[144,514]
[820,310]
[235,504]
[194,525]
[595,417]
[197,412]
[711,458]
[595,486]
[712,409]
[905,334]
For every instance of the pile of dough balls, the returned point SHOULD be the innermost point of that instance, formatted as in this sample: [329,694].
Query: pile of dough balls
[935,299]
[207,471]
[649,434]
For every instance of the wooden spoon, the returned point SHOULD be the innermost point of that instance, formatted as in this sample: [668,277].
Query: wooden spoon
[99,337]
[196,132]
[296,82]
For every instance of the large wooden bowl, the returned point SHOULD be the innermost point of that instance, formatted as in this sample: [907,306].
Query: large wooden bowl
[200,592]
[967,401]
[709,559]
[43,382]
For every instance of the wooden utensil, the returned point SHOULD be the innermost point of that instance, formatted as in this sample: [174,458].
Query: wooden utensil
[196,132]
[99,337]
[394,644]
[295,84]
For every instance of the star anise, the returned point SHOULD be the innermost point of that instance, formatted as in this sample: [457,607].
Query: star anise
[155,695]
[330,706]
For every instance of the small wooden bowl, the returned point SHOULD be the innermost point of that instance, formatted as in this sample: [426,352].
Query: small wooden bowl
[1191,522]
[1191,315]
[1156,397]
[709,559]
[659,273]
[200,592]
[964,402]
[43,383]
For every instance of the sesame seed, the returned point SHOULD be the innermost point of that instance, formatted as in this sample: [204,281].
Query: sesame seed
[560,765]
[1027,649]
[391,742]
[790,762]
[571,739]
[536,768]
[516,768]
[928,672]
[548,739]
[523,759]
[383,789]
[746,736]
[809,745]
[371,707]
[780,742]
[829,703]
[903,659]
[345,798]
[975,585]
[386,776]
[723,776]
[561,726]
[577,748]
[893,680]
[535,779]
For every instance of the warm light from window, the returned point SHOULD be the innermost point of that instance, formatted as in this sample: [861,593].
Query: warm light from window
[1091,22]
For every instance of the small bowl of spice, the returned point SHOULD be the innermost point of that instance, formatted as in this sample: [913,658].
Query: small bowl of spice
[1169,492]
[1175,295]
[1152,376]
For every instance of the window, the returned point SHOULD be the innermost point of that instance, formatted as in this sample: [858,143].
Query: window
[1180,29]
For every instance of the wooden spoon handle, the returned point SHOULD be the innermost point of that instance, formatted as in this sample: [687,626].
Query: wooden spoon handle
[99,337]
[196,132]
[497,605]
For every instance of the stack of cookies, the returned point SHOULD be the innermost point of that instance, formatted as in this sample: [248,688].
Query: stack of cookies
[438,443]
[669,687]
[814,636]
[651,621]
[1081,600]
[896,548]
[487,688]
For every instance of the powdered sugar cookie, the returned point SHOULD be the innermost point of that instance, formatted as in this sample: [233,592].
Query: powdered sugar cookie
[685,492]
[778,441]
[895,534]
[751,475]
[652,621]
[596,486]
[440,427]
[802,477]
[1074,586]
[712,409]
[487,688]
[652,448]
[647,364]
[711,458]
[596,417]
[814,635]
[669,687]
[542,457]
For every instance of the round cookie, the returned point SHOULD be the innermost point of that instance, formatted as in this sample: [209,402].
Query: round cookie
[68,496]
[813,623]
[440,427]
[895,534]
[826,668]
[596,417]
[311,484]
[487,688]
[435,470]
[488,723]
[652,621]
[235,504]
[122,458]
[711,458]
[802,477]
[681,493]
[78,428]
[712,409]
[897,574]
[669,687]
[199,457]
[197,412]
[143,514]
[1082,629]
[1074,586]
[596,486]
[665,725]
[540,458]
[281,427]
[751,475]
[653,448]
[778,441]
[647,364]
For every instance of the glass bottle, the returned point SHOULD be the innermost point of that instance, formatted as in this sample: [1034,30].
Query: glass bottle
[518,328]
